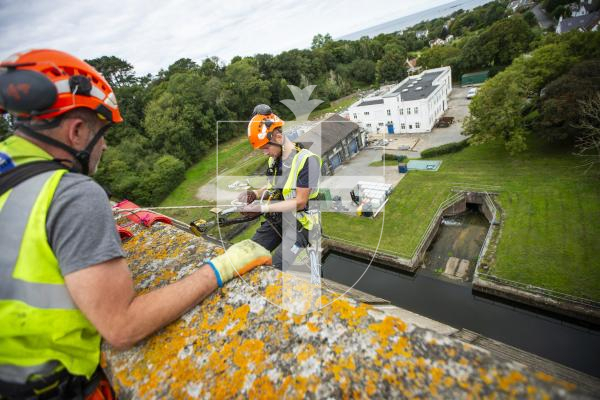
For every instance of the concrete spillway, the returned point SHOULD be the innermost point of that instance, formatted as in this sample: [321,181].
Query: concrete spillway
[239,342]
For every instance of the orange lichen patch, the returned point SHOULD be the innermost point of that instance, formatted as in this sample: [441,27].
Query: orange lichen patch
[312,327]
[463,383]
[307,352]
[370,379]
[505,382]
[251,352]
[475,390]
[293,387]
[387,328]
[273,293]
[485,377]
[436,375]
[344,363]
[463,361]
[238,316]
[451,351]
[402,347]
[263,388]
[448,381]
[350,313]
[550,379]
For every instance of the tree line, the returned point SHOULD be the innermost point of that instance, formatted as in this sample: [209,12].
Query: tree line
[171,117]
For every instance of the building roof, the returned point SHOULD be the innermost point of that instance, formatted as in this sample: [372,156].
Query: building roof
[416,88]
[329,132]
[370,102]
[581,22]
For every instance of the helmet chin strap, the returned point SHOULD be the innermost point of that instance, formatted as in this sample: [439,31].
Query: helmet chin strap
[82,156]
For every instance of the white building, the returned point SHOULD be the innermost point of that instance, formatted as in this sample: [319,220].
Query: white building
[412,106]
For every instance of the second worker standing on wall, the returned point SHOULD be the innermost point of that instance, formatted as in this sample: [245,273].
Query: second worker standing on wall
[293,174]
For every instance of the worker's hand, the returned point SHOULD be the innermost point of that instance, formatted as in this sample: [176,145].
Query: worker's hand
[252,209]
[239,259]
[247,197]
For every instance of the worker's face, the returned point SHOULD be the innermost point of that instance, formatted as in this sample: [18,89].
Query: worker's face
[98,149]
[272,150]
[97,155]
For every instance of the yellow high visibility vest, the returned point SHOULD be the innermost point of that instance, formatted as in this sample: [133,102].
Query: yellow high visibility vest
[39,323]
[307,219]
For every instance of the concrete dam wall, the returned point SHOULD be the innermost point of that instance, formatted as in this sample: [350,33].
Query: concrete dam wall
[239,342]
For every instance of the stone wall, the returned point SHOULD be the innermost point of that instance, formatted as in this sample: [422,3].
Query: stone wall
[240,343]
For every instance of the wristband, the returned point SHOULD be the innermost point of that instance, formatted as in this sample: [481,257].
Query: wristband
[216,271]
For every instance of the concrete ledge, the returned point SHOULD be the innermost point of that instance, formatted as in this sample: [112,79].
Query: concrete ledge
[565,308]
[239,343]
[362,253]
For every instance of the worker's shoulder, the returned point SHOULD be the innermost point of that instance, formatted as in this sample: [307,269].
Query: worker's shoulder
[78,184]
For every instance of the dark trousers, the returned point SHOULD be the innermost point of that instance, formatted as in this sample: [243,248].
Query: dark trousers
[270,235]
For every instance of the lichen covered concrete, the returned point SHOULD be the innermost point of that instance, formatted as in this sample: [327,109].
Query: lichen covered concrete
[239,343]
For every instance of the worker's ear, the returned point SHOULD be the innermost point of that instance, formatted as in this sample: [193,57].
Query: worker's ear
[77,133]
[278,136]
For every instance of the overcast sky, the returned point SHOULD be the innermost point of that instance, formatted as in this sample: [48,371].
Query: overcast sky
[152,34]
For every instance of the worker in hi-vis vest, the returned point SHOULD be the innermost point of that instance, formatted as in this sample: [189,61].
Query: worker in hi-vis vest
[293,175]
[64,281]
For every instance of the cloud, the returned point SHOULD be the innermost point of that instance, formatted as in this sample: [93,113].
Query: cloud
[152,34]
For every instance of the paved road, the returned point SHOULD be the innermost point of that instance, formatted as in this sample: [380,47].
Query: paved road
[458,107]
[544,20]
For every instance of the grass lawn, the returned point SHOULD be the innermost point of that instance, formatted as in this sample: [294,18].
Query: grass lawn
[236,157]
[551,232]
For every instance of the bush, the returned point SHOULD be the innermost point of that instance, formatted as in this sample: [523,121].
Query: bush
[393,157]
[444,149]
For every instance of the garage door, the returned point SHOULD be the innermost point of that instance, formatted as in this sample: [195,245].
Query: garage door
[353,146]
[336,161]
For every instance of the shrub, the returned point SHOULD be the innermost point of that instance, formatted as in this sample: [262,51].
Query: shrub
[444,149]
[393,157]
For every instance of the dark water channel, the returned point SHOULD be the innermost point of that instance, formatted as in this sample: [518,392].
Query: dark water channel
[453,303]
[459,236]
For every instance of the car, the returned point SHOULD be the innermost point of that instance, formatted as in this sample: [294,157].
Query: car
[471,93]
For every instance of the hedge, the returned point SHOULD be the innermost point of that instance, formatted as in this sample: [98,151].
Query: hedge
[444,149]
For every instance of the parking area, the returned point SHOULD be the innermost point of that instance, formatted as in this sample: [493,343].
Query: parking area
[410,145]
[458,108]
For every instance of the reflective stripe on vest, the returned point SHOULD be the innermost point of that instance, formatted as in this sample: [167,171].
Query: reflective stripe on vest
[15,214]
[41,330]
[307,219]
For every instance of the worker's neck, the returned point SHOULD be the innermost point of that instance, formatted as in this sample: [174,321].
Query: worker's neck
[54,151]
[288,149]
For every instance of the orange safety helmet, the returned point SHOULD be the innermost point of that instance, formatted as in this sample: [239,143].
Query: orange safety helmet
[261,127]
[44,84]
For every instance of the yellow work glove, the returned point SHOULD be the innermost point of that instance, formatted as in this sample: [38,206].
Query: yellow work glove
[239,259]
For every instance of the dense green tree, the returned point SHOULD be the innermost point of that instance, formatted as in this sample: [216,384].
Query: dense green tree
[559,115]
[362,70]
[391,67]
[438,56]
[246,87]
[530,18]
[179,66]
[320,40]
[212,67]
[499,109]
[116,71]
[552,5]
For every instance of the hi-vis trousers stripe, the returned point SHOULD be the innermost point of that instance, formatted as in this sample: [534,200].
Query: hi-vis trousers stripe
[14,217]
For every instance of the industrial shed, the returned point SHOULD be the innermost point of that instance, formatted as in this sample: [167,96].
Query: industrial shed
[335,139]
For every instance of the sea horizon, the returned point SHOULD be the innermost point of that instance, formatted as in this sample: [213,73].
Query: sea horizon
[407,21]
